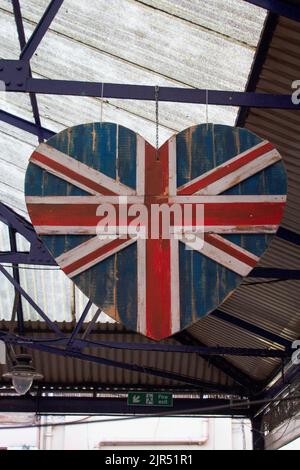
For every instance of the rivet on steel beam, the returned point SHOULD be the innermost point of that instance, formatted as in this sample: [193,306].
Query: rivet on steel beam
[19,68]
[20,84]
[7,83]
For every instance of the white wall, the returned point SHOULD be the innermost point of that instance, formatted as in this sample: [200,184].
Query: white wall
[184,433]
[18,439]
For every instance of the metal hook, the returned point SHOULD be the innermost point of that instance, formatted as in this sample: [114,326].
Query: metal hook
[207,109]
[157,120]
[102,94]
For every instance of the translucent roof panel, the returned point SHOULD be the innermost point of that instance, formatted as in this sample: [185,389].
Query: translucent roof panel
[208,45]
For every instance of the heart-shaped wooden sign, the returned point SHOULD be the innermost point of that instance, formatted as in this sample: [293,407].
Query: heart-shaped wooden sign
[101,197]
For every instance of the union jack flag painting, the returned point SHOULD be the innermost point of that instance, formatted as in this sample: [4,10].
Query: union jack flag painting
[159,285]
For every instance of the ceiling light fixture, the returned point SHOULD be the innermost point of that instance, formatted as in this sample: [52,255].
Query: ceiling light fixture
[23,374]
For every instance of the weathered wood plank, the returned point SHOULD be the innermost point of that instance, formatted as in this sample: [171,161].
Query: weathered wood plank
[159,285]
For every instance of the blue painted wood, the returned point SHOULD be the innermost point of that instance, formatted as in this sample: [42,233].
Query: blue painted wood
[96,145]
[204,284]
[111,149]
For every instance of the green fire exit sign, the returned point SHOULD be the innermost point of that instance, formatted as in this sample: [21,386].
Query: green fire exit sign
[150,399]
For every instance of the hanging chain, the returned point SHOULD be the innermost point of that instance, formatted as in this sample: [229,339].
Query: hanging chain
[207,109]
[102,94]
[157,120]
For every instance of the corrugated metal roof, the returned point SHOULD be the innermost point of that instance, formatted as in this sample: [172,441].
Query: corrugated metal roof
[178,43]
[216,332]
[61,370]
[275,307]
[150,47]
[166,43]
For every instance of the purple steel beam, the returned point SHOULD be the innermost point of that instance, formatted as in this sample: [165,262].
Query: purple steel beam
[91,324]
[26,126]
[282,8]
[16,76]
[199,384]
[19,23]
[258,63]
[147,93]
[17,286]
[16,276]
[41,29]
[206,351]
[38,253]
[79,324]
[219,362]
[36,257]
[251,328]
[275,273]
[104,387]
[288,235]
[81,343]
[14,257]
[22,41]
[17,222]
[115,406]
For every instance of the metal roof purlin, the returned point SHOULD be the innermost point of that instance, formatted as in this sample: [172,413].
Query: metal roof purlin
[251,328]
[26,126]
[17,286]
[200,385]
[16,276]
[222,364]
[142,92]
[288,235]
[279,7]
[258,61]
[41,29]
[112,406]
[22,41]
[38,253]
[79,324]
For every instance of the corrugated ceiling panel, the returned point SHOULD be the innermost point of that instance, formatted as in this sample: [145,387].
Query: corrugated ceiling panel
[65,370]
[82,59]
[154,40]
[49,287]
[207,15]
[275,307]
[282,127]
[81,50]
[199,45]
[143,49]
[214,332]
